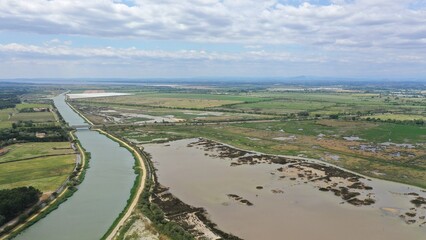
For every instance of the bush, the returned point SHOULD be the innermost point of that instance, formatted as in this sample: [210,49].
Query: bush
[334,116]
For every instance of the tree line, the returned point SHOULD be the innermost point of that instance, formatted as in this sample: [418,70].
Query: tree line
[15,201]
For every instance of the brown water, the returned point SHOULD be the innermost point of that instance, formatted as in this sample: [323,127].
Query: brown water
[300,212]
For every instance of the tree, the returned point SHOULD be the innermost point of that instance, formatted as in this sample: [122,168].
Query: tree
[334,116]
[14,201]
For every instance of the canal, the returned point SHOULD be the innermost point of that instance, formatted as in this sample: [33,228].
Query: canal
[100,198]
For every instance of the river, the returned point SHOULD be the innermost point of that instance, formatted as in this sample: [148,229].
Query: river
[100,197]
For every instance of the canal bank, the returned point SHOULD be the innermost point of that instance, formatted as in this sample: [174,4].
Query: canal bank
[100,198]
[139,184]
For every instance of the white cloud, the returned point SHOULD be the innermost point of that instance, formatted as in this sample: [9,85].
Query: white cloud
[381,23]
[346,37]
[335,54]
[65,51]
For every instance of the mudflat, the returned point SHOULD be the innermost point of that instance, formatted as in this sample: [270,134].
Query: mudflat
[254,196]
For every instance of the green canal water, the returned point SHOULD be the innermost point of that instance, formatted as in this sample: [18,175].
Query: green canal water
[100,198]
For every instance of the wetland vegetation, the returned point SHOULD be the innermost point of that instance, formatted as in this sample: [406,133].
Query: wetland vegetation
[353,133]
[312,123]
[375,132]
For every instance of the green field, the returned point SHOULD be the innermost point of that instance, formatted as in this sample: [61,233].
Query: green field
[33,116]
[46,173]
[31,105]
[169,102]
[267,102]
[35,149]
[282,106]
[11,115]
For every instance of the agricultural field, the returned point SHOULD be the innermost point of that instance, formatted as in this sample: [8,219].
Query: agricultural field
[21,151]
[23,106]
[44,166]
[5,118]
[193,101]
[41,117]
[271,103]
[26,112]
[334,103]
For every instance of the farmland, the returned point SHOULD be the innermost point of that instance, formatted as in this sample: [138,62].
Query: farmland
[44,166]
[195,101]
[33,150]
[35,153]
[25,112]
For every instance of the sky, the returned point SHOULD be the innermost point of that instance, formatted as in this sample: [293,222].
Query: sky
[212,38]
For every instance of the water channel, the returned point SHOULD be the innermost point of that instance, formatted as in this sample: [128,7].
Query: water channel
[102,195]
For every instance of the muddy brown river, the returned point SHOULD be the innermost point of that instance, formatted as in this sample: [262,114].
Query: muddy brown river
[282,208]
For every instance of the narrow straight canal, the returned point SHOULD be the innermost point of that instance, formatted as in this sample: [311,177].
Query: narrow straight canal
[100,198]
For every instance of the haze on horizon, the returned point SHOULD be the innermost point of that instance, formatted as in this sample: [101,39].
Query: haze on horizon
[211,38]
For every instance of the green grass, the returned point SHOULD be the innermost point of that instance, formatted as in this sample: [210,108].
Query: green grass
[177,100]
[33,116]
[44,173]
[28,150]
[4,117]
[310,128]
[282,106]
[272,102]
[227,97]
[10,115]
[394,132]
[332,103]
[31,105]
[4,113]
[5,124]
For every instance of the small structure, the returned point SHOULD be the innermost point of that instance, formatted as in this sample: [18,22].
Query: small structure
[40,134]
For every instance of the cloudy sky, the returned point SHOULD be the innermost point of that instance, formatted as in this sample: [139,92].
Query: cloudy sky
[189,38]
